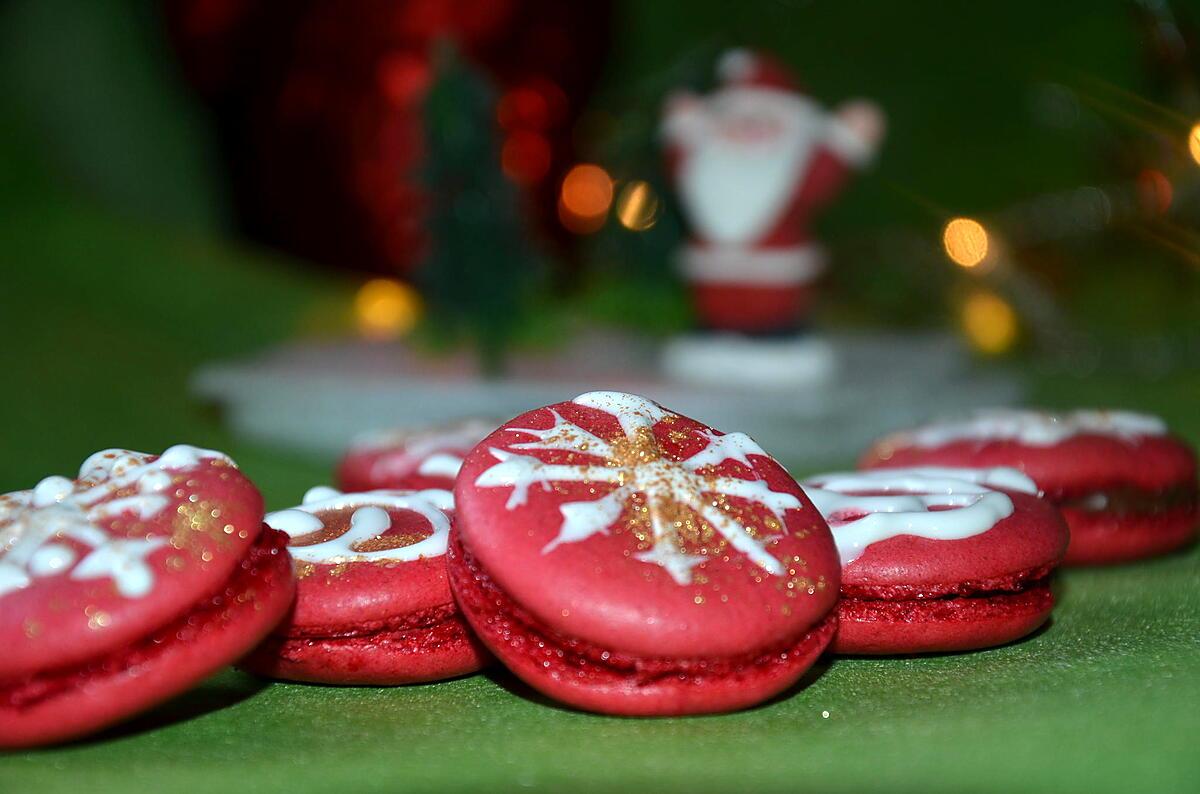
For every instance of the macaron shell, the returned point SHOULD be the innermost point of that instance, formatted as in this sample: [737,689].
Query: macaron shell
[199,643]
[447,650]
[1077,465]
[1033,536]
[939,625]
[563,673]
[357,595]
[596,591]
[1099,537]
[213,515]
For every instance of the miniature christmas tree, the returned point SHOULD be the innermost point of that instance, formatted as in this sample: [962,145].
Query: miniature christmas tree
[479,274]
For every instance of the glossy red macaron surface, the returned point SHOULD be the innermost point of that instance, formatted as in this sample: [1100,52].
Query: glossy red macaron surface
[410,459]
[617,523]
[939,559]
[128,585]
[937,528]
[373,604]
[92,564]
[1126,487]
[1066,454]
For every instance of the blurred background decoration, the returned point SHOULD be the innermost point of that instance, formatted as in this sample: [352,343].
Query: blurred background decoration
[1038,194]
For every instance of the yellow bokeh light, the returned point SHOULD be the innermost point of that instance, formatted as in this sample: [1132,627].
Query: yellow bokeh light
[638,207]
[385,309]
[989,323]
[966,242]
[1194,142]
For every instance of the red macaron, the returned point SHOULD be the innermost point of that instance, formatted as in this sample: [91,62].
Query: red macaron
[128,585]
[1126,487]
[410,459]
[621,558]
[373,605]
[939,559]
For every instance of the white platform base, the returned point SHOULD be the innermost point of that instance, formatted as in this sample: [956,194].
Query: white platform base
[717,360]
[316,397]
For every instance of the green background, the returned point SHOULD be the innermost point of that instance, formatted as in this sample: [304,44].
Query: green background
[102,338]
[119,279]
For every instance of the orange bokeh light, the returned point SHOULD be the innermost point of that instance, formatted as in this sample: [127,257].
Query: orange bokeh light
[587,193]
[1194,142]
[965,241]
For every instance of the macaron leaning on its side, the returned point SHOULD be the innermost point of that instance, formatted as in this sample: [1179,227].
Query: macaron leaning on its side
[1125,485]
[128,585]
[621,558]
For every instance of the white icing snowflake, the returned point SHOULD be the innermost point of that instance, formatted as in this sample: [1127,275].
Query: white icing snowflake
[634,464]
[32,522]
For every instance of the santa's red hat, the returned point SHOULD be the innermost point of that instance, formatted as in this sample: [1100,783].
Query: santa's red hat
[745,68]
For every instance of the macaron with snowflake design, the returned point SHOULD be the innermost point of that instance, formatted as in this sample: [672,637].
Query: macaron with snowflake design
[373,604]
[621,558]
[939,559]
[1125,485]
[128,585]
[410,459]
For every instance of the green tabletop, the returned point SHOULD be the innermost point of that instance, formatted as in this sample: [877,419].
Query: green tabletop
[103,323]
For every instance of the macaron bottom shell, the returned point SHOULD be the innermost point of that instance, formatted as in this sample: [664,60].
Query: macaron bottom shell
[411,655]
[1105,537]
[930,625]
[58,705]
[593,679]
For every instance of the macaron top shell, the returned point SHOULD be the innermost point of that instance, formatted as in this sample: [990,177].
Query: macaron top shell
[366,558]
[937,526]
[619,523]
[411,458]
[1067,454]
[91,564]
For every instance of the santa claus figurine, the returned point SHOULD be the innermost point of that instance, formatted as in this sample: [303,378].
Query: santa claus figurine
[752,162]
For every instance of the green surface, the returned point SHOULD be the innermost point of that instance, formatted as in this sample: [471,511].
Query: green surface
[104,321]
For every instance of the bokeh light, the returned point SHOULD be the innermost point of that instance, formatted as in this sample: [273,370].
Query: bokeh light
[386,309]
[525,157]
[989,323]
[638,206]
[587,193]
[966,242]
[1194,142]
[1155,191]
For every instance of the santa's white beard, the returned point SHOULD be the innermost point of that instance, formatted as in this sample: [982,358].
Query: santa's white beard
[736,191]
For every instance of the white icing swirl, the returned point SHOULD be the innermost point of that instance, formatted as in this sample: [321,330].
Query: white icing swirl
[1036,428]
[34,523]
[369,520]
[934,502]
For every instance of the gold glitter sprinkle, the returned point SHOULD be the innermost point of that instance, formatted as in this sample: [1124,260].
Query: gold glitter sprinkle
[387,542]
[175,562]
[99,620]
[32,628]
